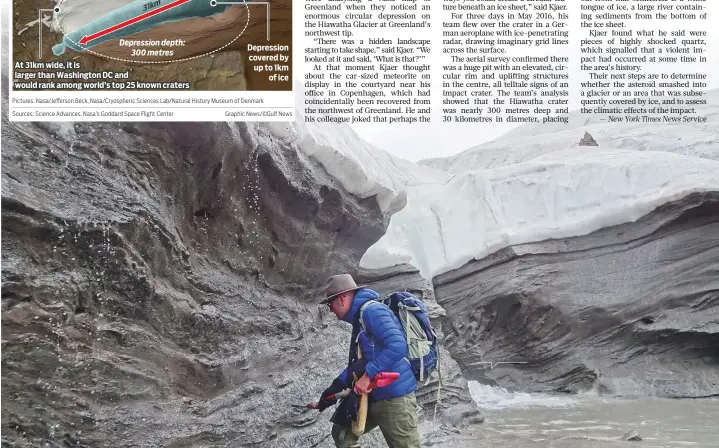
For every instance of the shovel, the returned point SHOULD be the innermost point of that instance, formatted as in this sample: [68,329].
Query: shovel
[382,379]
[359,424]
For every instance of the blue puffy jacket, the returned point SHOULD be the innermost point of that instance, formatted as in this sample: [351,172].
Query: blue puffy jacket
[382,342]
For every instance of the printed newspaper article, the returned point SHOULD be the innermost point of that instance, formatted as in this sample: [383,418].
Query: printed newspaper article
[516,61]
[343,223]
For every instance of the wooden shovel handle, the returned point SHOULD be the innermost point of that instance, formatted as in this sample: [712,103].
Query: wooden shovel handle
[359,425]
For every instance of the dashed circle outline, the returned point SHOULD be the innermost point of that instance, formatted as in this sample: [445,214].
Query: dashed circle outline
[84,47]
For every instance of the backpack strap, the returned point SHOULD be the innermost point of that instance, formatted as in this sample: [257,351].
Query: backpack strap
[361,320]
[361,311]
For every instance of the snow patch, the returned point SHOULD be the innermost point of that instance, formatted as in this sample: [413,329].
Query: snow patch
[46,20]
[359,167]
[283,130]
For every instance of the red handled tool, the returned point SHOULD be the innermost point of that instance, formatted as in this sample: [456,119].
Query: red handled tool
[382,379]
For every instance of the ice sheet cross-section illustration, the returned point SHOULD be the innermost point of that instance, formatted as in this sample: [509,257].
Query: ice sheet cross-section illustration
[136,17]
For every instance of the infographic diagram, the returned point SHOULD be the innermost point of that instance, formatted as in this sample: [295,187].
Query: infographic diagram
[196,45]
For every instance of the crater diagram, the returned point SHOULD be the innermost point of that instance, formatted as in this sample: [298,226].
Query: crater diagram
[139,16]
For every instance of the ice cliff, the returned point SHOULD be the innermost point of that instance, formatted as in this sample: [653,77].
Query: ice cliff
[593,268]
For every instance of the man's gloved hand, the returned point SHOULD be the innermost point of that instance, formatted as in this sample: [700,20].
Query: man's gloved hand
[334,388]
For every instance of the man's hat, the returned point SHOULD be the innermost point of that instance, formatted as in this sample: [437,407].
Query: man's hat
[337,285]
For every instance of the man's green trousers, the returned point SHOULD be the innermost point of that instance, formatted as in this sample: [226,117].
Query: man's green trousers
[396,418]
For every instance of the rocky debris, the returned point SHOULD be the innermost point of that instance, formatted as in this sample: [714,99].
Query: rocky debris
[628,310]
[632,436]
[462,416]
[587,140]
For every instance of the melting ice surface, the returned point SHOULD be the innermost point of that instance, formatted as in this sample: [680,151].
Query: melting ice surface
[495,398]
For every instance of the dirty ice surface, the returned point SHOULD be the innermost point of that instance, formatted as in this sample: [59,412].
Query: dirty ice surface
[446,219]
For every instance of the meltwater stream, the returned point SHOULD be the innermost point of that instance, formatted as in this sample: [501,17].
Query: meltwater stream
[537,420]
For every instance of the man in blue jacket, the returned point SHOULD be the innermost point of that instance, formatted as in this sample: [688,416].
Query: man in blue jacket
[382,342]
